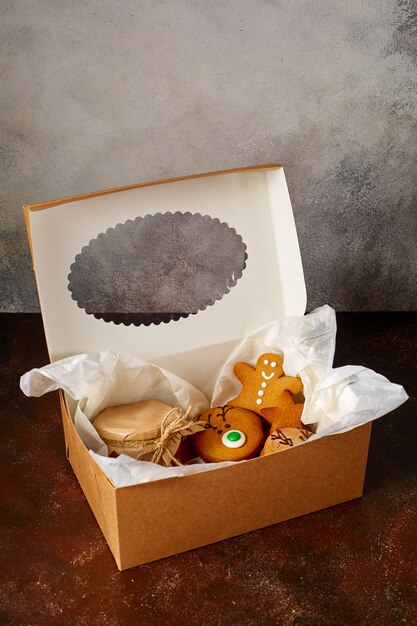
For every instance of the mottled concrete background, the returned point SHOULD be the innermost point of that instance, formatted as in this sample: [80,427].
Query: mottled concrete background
[99,93]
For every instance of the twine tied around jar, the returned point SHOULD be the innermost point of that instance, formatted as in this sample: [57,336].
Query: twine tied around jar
[162,446]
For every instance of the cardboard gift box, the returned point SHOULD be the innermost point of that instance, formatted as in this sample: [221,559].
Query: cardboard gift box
[149,521]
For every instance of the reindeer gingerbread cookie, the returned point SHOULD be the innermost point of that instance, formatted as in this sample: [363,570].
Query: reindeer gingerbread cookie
[230,434]
[268,392]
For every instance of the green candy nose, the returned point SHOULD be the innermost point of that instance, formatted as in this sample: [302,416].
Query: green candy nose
[234,439]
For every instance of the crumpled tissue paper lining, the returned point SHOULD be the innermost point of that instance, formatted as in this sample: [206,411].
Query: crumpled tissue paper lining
[336,400]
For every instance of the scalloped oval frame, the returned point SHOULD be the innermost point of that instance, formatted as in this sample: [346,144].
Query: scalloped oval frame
[158,268]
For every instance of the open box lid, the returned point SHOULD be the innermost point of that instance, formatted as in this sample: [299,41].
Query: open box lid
[252,207]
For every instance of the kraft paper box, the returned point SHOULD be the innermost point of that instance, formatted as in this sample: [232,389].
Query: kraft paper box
[145,522]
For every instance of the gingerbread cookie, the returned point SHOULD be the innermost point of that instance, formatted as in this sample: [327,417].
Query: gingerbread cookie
[283,439]
[268,392]
[230,434]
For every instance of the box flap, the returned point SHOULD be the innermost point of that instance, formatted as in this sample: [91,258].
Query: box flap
[254,205]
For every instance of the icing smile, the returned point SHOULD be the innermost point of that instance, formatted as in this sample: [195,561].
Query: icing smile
[268,377]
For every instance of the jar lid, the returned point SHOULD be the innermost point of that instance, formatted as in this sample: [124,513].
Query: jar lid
[138,421]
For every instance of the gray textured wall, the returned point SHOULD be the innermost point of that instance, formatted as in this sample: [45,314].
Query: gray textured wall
[100,93]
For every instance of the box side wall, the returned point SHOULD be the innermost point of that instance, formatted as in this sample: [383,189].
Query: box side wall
[97,488]
[174,515]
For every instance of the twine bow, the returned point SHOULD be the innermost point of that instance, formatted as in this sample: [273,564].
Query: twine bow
[171,434]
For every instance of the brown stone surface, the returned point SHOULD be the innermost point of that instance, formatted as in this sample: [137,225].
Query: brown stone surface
[351,564]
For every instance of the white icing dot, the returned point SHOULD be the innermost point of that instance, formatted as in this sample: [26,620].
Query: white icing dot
[260,392]
[259,401]
[273,364]
[263,385]
[266,362]
[234,444]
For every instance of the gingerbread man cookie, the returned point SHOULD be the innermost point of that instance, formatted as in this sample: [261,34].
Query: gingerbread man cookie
[268,392]
[230,434]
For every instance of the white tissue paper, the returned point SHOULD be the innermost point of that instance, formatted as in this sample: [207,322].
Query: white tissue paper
[336,400]
[97,381]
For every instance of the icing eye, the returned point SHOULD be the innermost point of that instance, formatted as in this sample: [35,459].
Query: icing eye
[234,439]
[273,364]
[266,362]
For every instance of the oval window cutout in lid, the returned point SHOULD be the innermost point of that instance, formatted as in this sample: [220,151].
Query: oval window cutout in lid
[157,268]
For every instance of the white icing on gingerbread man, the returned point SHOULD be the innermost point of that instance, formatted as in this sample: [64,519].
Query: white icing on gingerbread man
[266,391]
